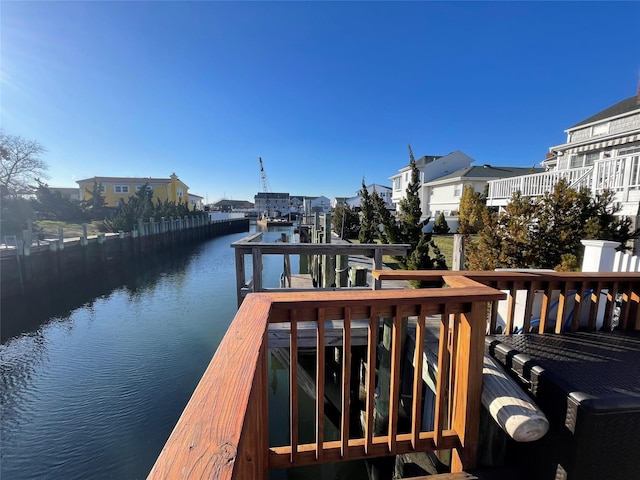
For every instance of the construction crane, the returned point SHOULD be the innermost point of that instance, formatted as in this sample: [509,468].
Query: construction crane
[265,187]
[263,177]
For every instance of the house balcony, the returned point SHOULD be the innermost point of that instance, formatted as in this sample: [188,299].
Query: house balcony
[619,174]
[224,431]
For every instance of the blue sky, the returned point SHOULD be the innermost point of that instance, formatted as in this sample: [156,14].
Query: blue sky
[324,92]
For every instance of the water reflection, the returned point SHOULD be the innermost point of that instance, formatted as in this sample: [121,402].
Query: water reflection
[30,312]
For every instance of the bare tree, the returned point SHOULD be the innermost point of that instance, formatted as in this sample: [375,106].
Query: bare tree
[20,163]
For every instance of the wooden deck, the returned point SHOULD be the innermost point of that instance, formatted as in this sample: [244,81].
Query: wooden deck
[223,432]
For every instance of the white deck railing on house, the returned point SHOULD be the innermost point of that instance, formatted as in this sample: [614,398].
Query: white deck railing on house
[620,174]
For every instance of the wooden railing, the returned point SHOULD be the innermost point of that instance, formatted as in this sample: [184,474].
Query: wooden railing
[223,431]
[255,248]
[552,301]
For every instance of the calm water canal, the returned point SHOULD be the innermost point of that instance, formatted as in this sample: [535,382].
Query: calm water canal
[93,381]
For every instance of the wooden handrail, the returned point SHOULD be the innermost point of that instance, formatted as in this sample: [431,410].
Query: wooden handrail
[568,301]
[220,430]
[223,432]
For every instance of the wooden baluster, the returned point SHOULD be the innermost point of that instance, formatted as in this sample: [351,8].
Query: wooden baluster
[416,405]
[528,307]
[511,306]
[394,394]
[320,385]
[443,382]
[346,382]
[595,303]
[562,307]
[612,291]
[577,306]
[544,307]
[452,322]
[293,387]
[494,312]
[372,343]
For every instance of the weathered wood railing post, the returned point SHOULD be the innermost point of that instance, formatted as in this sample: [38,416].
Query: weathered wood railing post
[457,262]
[328,268]
[84,240]
[342,270]
[60,238]
[257,269]
[26,243]
[377,265]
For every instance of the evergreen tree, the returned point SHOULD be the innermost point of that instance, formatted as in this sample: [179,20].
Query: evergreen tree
[440,226]
[545,232]
[472,206]
[96,201]
[345,222]
[51,204]
[389,233]
[141,205]
[409,229]
[367,218]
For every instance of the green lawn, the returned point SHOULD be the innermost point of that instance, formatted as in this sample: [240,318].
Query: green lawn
[444,243]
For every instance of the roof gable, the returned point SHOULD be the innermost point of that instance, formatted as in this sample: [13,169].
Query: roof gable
[487,172]
[627,105]
[148,180]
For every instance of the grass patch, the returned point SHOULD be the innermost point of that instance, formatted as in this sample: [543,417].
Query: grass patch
[69,229]
[444,243]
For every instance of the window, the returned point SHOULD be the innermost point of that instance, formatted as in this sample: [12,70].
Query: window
[457,190]
[121,188]
[590,159]
[396,183]
[149,188]
[576,161]
[102,188]
[629,151]
[179,193]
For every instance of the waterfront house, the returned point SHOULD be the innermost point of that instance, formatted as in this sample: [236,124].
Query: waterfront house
[70,193]
[272,204]
[227,205]
[319,204]
[443,179]
[195,201]
[601,152]
[117,190]
[430,168]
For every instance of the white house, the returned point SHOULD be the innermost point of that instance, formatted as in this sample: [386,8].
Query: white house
[430,168]
[443,193]
[195,201]
[601,152]
[383,191]
[272,204]
[316,204]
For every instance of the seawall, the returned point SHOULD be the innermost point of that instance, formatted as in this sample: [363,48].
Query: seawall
[27,269]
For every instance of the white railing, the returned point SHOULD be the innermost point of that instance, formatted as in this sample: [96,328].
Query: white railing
[624,262]
[619,174]
[536,183]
